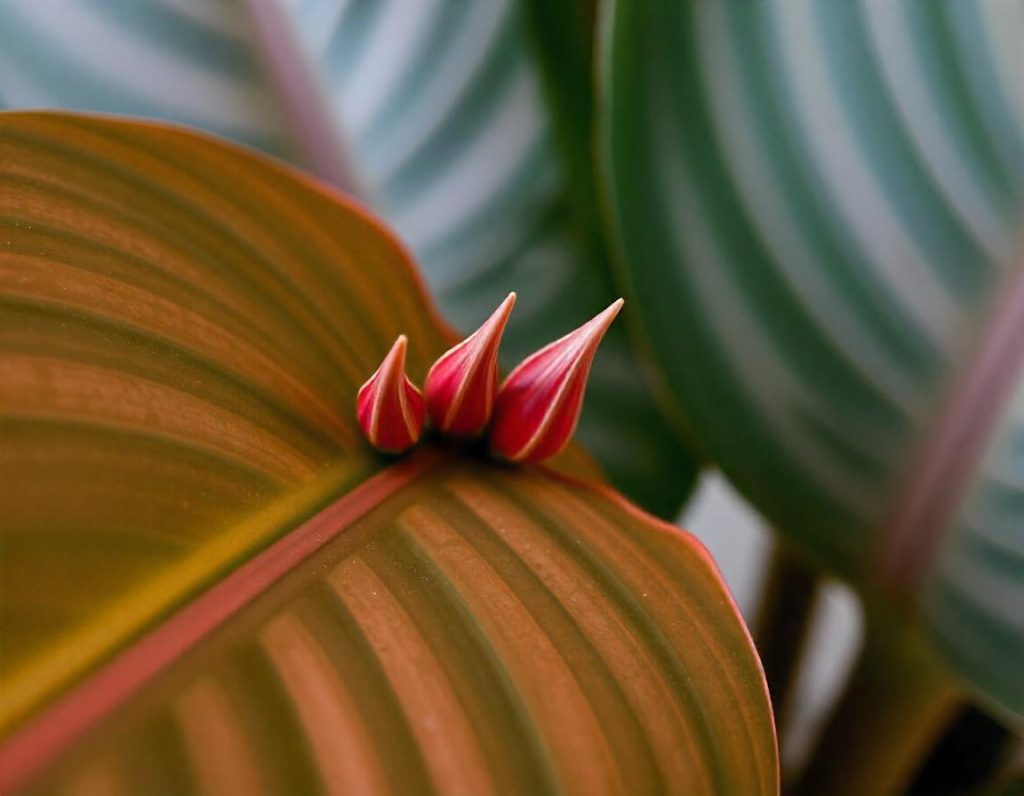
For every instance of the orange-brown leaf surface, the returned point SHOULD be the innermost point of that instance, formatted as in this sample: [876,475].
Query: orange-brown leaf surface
[210,583]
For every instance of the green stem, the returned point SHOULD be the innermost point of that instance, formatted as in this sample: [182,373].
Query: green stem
[782,624]
[896,705]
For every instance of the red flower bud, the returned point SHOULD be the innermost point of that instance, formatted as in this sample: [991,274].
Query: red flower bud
[461,385]
[539,404]
[389,407]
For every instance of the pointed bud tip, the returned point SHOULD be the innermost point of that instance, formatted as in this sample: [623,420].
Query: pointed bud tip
[539,404]
[501,314]
[494,326]
[609,313]
[398,349]
[389,407]
[461,385]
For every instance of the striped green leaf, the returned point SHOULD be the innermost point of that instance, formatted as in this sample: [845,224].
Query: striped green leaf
[818,205]
[195,63]
[436,115]
[211,585]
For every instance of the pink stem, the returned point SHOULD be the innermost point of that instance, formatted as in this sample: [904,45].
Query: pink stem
[950,457]
[319,141]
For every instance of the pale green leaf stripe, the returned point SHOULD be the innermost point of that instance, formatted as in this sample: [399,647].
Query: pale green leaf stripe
[782,181]
[189,62]
[910,182]
[974,597]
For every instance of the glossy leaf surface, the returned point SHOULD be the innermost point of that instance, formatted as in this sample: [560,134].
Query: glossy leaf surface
[439,114]
[203,577]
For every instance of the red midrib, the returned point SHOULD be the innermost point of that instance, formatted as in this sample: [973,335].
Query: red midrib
[35,744]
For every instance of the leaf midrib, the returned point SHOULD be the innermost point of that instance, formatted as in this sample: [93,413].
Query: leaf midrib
[251,549]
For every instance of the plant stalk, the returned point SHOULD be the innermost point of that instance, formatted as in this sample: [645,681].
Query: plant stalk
[782,624]
[319,144]
[896,705]
[972,752]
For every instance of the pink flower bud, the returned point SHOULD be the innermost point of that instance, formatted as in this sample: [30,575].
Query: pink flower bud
[539,404]
[389,407]
[461,385]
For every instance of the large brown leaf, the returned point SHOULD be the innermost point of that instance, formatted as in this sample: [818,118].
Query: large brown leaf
[210,584]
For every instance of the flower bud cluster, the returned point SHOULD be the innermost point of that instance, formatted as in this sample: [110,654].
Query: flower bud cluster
[531,417]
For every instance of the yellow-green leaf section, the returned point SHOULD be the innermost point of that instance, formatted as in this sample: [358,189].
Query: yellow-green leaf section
[183,327]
